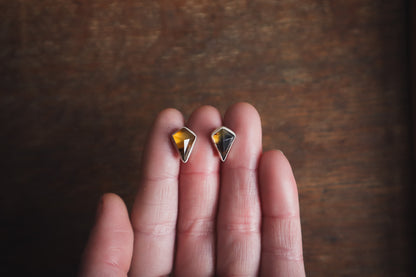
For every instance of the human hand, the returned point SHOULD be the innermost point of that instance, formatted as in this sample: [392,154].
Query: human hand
[204,217]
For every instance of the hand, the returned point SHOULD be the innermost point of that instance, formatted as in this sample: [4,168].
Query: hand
[203,218]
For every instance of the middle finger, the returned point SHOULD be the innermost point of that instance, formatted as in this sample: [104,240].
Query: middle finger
[198,193]
[239,215]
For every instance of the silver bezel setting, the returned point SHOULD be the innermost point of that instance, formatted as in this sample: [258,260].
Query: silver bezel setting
[192,146]
[212,138]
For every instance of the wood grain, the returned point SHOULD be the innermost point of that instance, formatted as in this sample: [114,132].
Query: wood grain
[81,82]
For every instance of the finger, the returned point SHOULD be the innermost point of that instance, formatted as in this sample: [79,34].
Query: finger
[239,213]
[198,193]
[281,232]
[155,208]
[109,249]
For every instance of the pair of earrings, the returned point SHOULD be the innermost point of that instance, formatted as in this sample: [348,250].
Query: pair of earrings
[184,141]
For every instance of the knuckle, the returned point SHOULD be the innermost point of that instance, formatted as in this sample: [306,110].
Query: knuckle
[197,226]
[291,254]
[248,225]
[283,237]
[155,230]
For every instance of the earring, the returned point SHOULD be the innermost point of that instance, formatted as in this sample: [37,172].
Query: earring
[184,141]
[223,138]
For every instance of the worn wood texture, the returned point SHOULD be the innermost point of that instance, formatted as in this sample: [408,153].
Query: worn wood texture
[81,82]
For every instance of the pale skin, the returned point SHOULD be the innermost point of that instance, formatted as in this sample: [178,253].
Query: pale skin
[203,217]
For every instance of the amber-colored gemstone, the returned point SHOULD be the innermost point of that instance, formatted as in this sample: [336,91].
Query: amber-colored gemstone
[223,139]
[184,140]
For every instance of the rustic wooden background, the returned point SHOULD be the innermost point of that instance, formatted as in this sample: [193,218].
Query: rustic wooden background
[81,82]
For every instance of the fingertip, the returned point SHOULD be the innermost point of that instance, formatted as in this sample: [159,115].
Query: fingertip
[169,116]
[244,105]
[109,196]
[109,248]
[204,111]
[203,121]
[113,214]
[275,160]
[277,184]
[168,112]
[244,110]
[160,154]
[111,203]
[244,120]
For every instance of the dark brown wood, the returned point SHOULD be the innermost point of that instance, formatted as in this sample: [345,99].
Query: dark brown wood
[81,82]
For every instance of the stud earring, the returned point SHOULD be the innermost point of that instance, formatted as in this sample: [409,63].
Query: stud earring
[184,140]
[223,138]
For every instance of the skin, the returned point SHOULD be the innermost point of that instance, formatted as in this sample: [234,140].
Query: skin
[203,218]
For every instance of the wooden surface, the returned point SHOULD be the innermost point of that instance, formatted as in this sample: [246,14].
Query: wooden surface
[81,82]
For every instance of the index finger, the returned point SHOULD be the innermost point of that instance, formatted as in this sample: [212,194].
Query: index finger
[155,208]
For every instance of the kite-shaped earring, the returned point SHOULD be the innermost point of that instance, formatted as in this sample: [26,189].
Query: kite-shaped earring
[223,138]
[184,141]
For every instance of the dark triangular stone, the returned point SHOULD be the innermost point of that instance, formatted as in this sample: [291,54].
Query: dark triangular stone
[223,139]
